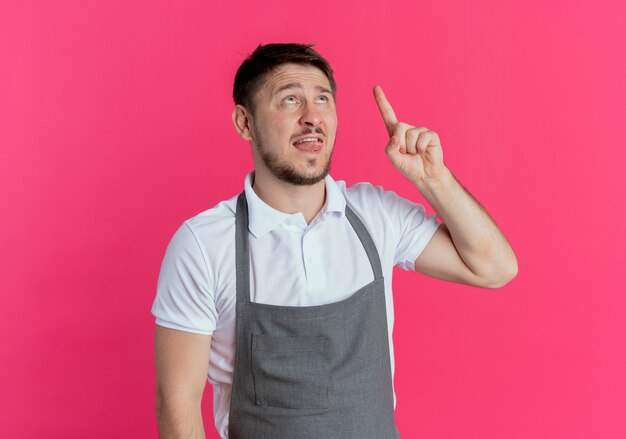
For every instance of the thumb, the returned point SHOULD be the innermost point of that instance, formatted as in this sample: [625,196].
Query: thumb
[393,150]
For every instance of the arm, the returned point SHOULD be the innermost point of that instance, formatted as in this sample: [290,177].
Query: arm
[182,361]
[469,248]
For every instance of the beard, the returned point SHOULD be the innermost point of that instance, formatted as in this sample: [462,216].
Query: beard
[286,172]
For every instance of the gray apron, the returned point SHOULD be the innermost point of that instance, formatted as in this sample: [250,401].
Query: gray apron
[305,372]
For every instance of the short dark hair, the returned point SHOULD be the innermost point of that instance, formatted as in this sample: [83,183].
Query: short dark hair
[253,71]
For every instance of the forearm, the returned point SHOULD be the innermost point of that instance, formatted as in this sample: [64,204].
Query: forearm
[179,420]
[477,238]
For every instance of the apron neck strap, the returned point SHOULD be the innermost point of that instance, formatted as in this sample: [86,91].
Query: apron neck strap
[367,241]
[242,255]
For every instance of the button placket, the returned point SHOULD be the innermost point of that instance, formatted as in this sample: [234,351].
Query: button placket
[314,277]
[306,258]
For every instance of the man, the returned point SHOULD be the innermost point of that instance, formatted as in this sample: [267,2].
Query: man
[282,295]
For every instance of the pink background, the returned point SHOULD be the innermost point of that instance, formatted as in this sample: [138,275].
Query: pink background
[115,127]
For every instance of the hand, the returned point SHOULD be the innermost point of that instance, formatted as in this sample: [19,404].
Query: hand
[416,152]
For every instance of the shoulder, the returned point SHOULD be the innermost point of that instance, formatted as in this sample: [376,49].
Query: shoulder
[204,236]
[369,199]
[373,205]
[384,209]
[213,222]
[358,191]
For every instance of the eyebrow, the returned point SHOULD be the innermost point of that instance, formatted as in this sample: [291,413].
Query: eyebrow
[298,85]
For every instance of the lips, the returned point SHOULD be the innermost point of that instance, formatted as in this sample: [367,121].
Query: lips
[310,143]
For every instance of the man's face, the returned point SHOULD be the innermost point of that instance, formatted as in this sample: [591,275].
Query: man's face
[294,125]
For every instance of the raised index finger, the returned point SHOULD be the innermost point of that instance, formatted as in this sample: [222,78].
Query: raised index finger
[386,111]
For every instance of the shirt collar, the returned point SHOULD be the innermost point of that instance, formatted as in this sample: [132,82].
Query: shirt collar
[263,218]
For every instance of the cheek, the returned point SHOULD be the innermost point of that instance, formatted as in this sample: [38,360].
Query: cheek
[331,119]
[332,125]
[282,124]
[276,128]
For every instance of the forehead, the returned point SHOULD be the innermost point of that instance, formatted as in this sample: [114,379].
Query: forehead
[305,75]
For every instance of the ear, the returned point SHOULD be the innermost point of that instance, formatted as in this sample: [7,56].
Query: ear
[241,121]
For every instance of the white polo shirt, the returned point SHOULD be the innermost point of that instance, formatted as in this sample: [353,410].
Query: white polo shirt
[292,263]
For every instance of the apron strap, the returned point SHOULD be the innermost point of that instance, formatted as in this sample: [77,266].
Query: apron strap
[242,254]
[367,241]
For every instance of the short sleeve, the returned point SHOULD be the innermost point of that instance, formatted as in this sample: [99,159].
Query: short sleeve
[414,226]
[185,297]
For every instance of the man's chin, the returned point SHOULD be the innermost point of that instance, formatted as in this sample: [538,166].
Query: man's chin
[303,180]
[300,173]
[300,178]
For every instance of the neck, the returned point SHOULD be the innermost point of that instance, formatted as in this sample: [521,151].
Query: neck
[289,198]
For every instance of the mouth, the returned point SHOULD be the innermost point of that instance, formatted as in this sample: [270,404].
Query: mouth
[309,143]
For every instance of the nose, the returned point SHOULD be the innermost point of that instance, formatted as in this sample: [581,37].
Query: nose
[310,115]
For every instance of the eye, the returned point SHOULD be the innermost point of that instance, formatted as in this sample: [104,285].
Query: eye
[289,100]
[323,99]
